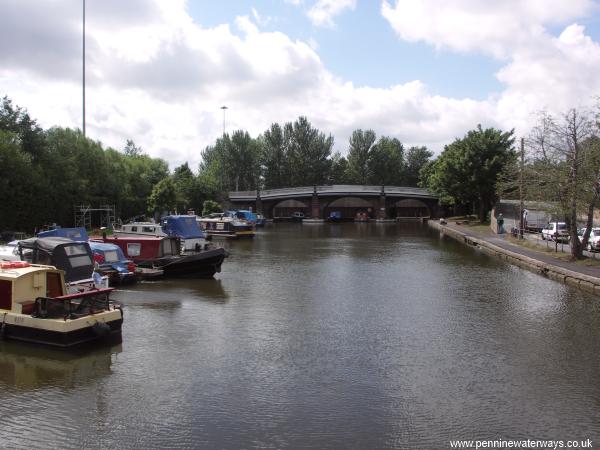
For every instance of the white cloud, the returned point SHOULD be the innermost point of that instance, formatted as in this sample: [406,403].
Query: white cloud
[472,25]
[323,11]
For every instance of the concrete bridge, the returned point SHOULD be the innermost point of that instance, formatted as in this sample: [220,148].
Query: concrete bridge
[376,202]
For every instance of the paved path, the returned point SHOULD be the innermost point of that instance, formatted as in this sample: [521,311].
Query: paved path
[502,242]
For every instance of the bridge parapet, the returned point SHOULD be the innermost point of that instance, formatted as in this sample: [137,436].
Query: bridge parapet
[339,189]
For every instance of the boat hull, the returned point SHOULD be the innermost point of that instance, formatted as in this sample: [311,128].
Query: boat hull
[197,265]
[67,338]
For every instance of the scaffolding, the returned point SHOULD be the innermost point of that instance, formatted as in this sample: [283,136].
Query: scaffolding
[83,215]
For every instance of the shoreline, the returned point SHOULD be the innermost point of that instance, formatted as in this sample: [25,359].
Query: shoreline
[569,277]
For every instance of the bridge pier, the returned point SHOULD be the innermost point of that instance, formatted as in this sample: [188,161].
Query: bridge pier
[382,211]
[259,205]
[315,207]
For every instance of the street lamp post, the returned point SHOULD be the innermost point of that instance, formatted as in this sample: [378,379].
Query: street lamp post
[83,74]
[224,108]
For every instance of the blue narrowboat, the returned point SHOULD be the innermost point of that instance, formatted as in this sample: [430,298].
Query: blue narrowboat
[112,263]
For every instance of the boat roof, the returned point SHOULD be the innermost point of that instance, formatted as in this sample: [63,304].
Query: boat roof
[14,273]
[75,234]
[182,226]
[136,237]
[103,246]
[47,244]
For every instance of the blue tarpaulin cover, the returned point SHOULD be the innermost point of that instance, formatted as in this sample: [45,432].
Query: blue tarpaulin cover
[243,214]
[184,227]
[75,234]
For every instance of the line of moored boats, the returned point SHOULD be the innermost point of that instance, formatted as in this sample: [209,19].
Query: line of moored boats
[55,287]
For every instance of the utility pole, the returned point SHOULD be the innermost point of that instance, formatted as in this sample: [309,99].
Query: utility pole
[83,68]
[521,201]
[224,108]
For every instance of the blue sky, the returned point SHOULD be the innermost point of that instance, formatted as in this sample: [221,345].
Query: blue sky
[364,49]
[423,71]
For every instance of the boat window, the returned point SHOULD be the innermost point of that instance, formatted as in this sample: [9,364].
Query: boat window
[5,294]
[133,228]
[111,256]
[166,247]
[73,250]
[79,261]
[134,249]
[147,229]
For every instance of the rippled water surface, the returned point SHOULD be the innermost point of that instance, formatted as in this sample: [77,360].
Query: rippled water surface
[323,336]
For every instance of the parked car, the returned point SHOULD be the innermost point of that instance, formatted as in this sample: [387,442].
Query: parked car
[298,215]
[556,231]
[593,241]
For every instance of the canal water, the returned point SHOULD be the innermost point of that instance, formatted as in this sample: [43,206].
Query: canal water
[323,336]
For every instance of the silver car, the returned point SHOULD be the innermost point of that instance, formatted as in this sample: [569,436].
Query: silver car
[593,241]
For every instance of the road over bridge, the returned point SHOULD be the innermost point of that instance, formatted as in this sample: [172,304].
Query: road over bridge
[317,202]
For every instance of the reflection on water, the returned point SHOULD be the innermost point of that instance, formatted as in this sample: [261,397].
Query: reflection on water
[33,367]
[324,336]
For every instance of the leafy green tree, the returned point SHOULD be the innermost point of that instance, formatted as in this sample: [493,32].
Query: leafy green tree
[16,173]
[386,162]
[30,134]
[359,156]
[163,197]
[185,184]
[274,158]
[467,170]
[339,170]
[131,149]
[210,206]
[309,151]
[416,158]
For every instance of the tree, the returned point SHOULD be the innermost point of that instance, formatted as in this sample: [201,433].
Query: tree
[308,153]
[210,206]
[30,134]
[274,160]
[131,149]
[416,159]
[386,162]
[359,155]
[185,184]
[467,170]
[567,154]
[163,197]
[339,170]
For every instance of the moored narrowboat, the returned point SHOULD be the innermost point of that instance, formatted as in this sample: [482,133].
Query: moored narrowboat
[163,253]
[183,227]
[112,263]
[35,306]
[226,225]
[75,258]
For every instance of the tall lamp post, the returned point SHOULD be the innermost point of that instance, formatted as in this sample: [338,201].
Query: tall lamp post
[83,74]
[224,108]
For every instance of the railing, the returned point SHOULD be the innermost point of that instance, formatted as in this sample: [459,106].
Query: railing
[72,305]
[334,189]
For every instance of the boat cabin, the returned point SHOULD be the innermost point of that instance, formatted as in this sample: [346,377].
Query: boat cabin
[112,262]
[21,283]
[36,306]
[144,248]
[75,258]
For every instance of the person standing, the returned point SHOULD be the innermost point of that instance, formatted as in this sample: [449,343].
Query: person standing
[500,222]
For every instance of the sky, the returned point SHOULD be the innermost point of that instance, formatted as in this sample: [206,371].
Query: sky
[424,71]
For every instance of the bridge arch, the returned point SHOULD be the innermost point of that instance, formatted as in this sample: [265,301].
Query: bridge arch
[286,208]
[350,206]
[410,207]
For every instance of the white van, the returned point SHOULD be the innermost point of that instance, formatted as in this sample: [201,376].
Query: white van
[556,231]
